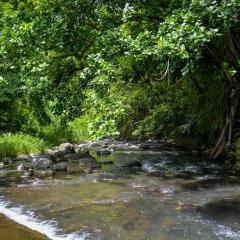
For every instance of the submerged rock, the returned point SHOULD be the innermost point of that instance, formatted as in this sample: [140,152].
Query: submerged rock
[82,164]
[131,164]
[104,151]
[88,163]
[43,173]
[73,167]
[60,166]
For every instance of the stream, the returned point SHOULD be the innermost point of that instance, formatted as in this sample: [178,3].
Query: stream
[175,195]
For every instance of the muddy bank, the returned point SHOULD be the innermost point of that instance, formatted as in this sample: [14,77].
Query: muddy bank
[14,231]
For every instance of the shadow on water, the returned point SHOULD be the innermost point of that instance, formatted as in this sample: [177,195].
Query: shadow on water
[210,183]
[224,211]
[10,178]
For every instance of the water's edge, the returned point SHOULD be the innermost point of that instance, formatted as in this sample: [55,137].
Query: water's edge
[20,229]
[47,229]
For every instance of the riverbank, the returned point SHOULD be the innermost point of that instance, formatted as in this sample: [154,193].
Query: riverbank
[11,230]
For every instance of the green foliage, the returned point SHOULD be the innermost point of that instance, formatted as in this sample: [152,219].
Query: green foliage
[79,129]
[106,113]
[56,131]
[237,164]
[151,68]
[159,122]
[15,144]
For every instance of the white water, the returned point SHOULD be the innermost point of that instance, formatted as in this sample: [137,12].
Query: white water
[48,228]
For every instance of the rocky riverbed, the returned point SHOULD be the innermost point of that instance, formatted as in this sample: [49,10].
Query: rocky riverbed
[122,190]
[73,158]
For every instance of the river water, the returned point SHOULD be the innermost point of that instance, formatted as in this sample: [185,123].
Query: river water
[175,195]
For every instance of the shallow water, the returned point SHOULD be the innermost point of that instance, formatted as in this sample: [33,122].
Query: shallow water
[175,195]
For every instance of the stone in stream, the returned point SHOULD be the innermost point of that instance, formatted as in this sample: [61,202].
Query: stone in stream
[7,160]
[104,151]
[66,147]
[60,166]
[59,152]
[42,162]
[1,165]
[73,167]
[88,163]
[131,164]
[71,156]
[107,162]
[44,173]
[22,167]
[81,147]
[24,157]
[82,164]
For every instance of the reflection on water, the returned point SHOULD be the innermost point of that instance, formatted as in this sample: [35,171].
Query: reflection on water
[175,195]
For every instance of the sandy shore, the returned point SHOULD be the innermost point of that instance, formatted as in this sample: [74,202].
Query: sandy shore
[10,230]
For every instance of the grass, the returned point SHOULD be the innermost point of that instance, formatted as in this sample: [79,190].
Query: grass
[79,130]
[55,133]
[12,145]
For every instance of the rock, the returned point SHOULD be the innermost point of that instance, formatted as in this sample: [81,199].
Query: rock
[59,152]
[81,162]
[66,147]
[94,144]
[131,164]
[60,166]
[71,156]
[107,162]
[43,173]
[83,150]
[22,167]
[1,165]
[183,175]
[88,163]
[134,148]
[42,162]
[187,206]
[73,167]
[145,146]
[7,160]
[81,147]
[24,157]
[57,156]
[104,152]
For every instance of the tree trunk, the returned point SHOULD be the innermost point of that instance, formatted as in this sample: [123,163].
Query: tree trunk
[225,139]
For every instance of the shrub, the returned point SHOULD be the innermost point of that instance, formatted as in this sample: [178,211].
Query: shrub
[157,123]
[79,129]
[14,144]
[237,164]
